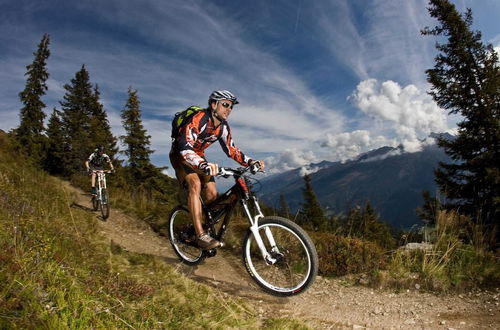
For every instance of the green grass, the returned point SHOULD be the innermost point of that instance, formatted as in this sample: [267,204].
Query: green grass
[453,263]
[59,273]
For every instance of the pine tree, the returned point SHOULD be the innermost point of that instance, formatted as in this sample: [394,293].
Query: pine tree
[466,81]
[284,209]
[54,162]
[136,140]
[100,131]
[364,223]
[428,212]
[29,134]
[77,106]
[312,213]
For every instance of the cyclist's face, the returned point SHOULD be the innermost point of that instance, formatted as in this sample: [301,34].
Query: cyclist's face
[223,109]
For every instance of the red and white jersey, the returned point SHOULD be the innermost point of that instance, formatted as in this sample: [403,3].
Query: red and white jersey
[199,133]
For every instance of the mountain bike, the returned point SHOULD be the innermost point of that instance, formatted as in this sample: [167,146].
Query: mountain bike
[101,198]
[278,255]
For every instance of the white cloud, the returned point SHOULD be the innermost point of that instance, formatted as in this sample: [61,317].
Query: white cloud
[409,112]
[289,159]
[345,146]
[305,170]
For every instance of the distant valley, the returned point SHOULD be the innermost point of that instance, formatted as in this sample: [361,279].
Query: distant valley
[390,179]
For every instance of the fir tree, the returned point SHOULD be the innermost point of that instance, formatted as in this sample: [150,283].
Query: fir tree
[284,209]
[136,140]
[54,162]
[77,107]
[312,213]
[428,212]
[364,223]
[29,134]
[466,81]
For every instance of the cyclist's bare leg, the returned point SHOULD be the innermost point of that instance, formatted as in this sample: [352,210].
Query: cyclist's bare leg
[210,192]
[193,201]
[92,180]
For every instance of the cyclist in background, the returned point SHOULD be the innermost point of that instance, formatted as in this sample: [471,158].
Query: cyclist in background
[95,162]
[187,157]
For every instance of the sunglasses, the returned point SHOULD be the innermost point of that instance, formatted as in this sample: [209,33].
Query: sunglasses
[227,105]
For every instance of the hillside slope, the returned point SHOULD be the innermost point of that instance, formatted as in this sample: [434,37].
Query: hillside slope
[63,267]
[328,304]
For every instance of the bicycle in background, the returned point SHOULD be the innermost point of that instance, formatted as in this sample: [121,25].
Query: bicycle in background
[101,199]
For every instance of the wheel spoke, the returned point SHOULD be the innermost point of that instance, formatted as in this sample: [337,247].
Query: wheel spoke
[182,237]
[294,257]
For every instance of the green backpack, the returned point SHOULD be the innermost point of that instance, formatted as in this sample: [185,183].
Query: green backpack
[181,118]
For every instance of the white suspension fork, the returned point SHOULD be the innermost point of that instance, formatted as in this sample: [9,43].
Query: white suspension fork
[254,228]
[101,183]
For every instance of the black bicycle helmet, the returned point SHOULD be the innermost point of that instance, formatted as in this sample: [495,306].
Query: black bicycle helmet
[99,149]
[222,95]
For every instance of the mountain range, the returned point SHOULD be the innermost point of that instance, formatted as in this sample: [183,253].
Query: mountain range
[389,178]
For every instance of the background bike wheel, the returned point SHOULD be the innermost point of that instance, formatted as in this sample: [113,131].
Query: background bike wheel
[104,204]
[182,237]
[95,203]
[297,263]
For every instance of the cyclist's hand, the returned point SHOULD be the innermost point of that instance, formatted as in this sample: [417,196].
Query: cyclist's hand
[209,168]
[89,171]
[256,166]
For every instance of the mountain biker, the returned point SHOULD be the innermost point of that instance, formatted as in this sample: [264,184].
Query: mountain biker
[95,162]
[187,157]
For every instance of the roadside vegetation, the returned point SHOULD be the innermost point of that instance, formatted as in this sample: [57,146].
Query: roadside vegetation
[59,273]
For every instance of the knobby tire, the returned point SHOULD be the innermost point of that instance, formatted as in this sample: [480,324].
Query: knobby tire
[104,204]
[297,264]
[183,238]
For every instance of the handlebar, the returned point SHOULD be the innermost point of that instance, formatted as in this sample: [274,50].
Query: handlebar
[226,172]
[102,171]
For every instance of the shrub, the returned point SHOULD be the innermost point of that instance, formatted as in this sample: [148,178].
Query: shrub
[340,255]
[454,261]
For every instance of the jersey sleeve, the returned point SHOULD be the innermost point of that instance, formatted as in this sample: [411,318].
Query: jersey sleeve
[92,156]
[187,138]
[227,143]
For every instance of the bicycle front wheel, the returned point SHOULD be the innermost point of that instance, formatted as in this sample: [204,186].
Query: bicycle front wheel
[182,236]
[104,204]
[95,203]
[293,265]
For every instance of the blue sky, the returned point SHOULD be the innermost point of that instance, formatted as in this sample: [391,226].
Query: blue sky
[317,80]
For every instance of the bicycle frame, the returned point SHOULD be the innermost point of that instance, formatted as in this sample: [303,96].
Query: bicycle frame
[225,204]
[101,183]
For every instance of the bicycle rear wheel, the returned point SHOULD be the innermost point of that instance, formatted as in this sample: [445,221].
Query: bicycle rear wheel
[182,236]
[295,258]
[104,204]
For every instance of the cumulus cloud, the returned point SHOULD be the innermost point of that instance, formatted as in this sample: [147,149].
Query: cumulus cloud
[409,112]
[346,146]
[304,170]
[290,159]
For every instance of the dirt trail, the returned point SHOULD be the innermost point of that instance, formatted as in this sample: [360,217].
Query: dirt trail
[328,304]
